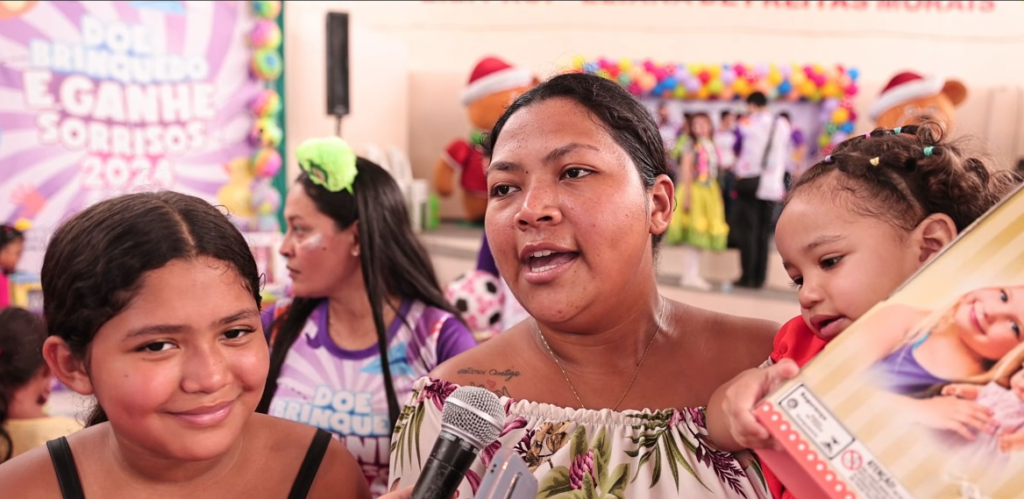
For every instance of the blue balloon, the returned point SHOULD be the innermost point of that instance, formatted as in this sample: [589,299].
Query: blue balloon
[847,128]
[590,67]
[854,73]
[785,87]
[670,83]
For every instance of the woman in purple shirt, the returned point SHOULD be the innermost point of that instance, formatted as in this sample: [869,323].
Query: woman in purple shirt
[368,317]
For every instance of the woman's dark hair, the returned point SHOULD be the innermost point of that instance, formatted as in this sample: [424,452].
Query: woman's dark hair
[627,120]
[21,355]
[757,99]
[95,262]
[394,263]
[8,235]
[906,174]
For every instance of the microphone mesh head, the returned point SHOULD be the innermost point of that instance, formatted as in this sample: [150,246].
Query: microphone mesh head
[474,412]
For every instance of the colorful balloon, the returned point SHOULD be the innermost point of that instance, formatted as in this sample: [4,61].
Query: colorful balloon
[785,87]
[266,10]
[267,103]
[840,116]
[715,87]
[267,64]
[265,35]
[266,163]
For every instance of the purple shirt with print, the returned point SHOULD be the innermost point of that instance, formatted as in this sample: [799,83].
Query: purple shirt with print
[342,391]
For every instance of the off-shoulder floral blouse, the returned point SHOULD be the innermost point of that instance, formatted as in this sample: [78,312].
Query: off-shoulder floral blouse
[578,453]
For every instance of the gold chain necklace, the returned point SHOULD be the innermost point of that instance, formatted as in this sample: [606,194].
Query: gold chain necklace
[661,316]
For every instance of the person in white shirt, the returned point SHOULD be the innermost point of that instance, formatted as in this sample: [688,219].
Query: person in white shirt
[759,171]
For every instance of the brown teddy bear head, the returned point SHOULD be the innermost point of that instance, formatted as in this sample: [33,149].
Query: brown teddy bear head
[493,86]
[911,99]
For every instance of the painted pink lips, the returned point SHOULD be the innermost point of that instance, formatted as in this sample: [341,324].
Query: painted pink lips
[974,318]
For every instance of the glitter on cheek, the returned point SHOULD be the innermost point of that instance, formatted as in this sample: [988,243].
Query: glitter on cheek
[313,242]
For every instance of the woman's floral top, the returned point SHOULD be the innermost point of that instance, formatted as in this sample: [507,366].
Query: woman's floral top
[577,453]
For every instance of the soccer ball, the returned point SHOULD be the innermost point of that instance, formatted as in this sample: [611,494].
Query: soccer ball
[477,296]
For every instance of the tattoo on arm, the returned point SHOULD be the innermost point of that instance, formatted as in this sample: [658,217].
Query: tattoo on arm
[492,379]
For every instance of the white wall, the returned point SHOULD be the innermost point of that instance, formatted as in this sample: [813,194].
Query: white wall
[379,83]
[443,40]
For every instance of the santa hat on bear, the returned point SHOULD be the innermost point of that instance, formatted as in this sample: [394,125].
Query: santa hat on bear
[493,75]
[908,86]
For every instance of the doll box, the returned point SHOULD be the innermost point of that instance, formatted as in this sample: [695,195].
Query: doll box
[876,415]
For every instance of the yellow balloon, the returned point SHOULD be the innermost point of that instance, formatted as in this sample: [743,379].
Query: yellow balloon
[716,70]
[679,92]
[578,61]
[703,93]
[774,77]
[741,87]
[603,73]
[797,78]
[840,116]
[830,89]
[807,88]
[625,64]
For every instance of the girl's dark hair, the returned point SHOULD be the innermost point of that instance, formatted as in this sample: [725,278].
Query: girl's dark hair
[628,121]
[8,235]
[394,262]
[21,355]
[906,174]
[95,262]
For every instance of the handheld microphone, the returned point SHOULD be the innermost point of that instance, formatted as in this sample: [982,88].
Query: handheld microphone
[471,419]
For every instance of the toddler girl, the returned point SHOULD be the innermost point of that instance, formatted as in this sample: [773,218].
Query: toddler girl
[853,228]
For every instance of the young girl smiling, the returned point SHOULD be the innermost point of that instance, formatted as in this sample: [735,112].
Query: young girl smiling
[152,305]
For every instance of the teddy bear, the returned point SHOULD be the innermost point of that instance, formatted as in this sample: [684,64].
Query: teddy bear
[910,98]
[493,86]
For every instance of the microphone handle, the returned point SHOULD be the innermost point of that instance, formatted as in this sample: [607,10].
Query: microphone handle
[445,468]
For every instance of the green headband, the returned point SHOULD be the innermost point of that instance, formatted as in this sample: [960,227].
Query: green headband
[329,162]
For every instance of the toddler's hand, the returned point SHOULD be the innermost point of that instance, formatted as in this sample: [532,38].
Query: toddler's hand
[1011,442]
[731,422]
[953,414]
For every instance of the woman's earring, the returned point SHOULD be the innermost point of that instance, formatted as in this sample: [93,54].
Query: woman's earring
[355,251]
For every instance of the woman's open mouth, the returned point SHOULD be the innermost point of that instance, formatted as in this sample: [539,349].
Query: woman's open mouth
[544,264]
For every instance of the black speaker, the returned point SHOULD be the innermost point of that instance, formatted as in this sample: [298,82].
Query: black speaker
[337,64]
